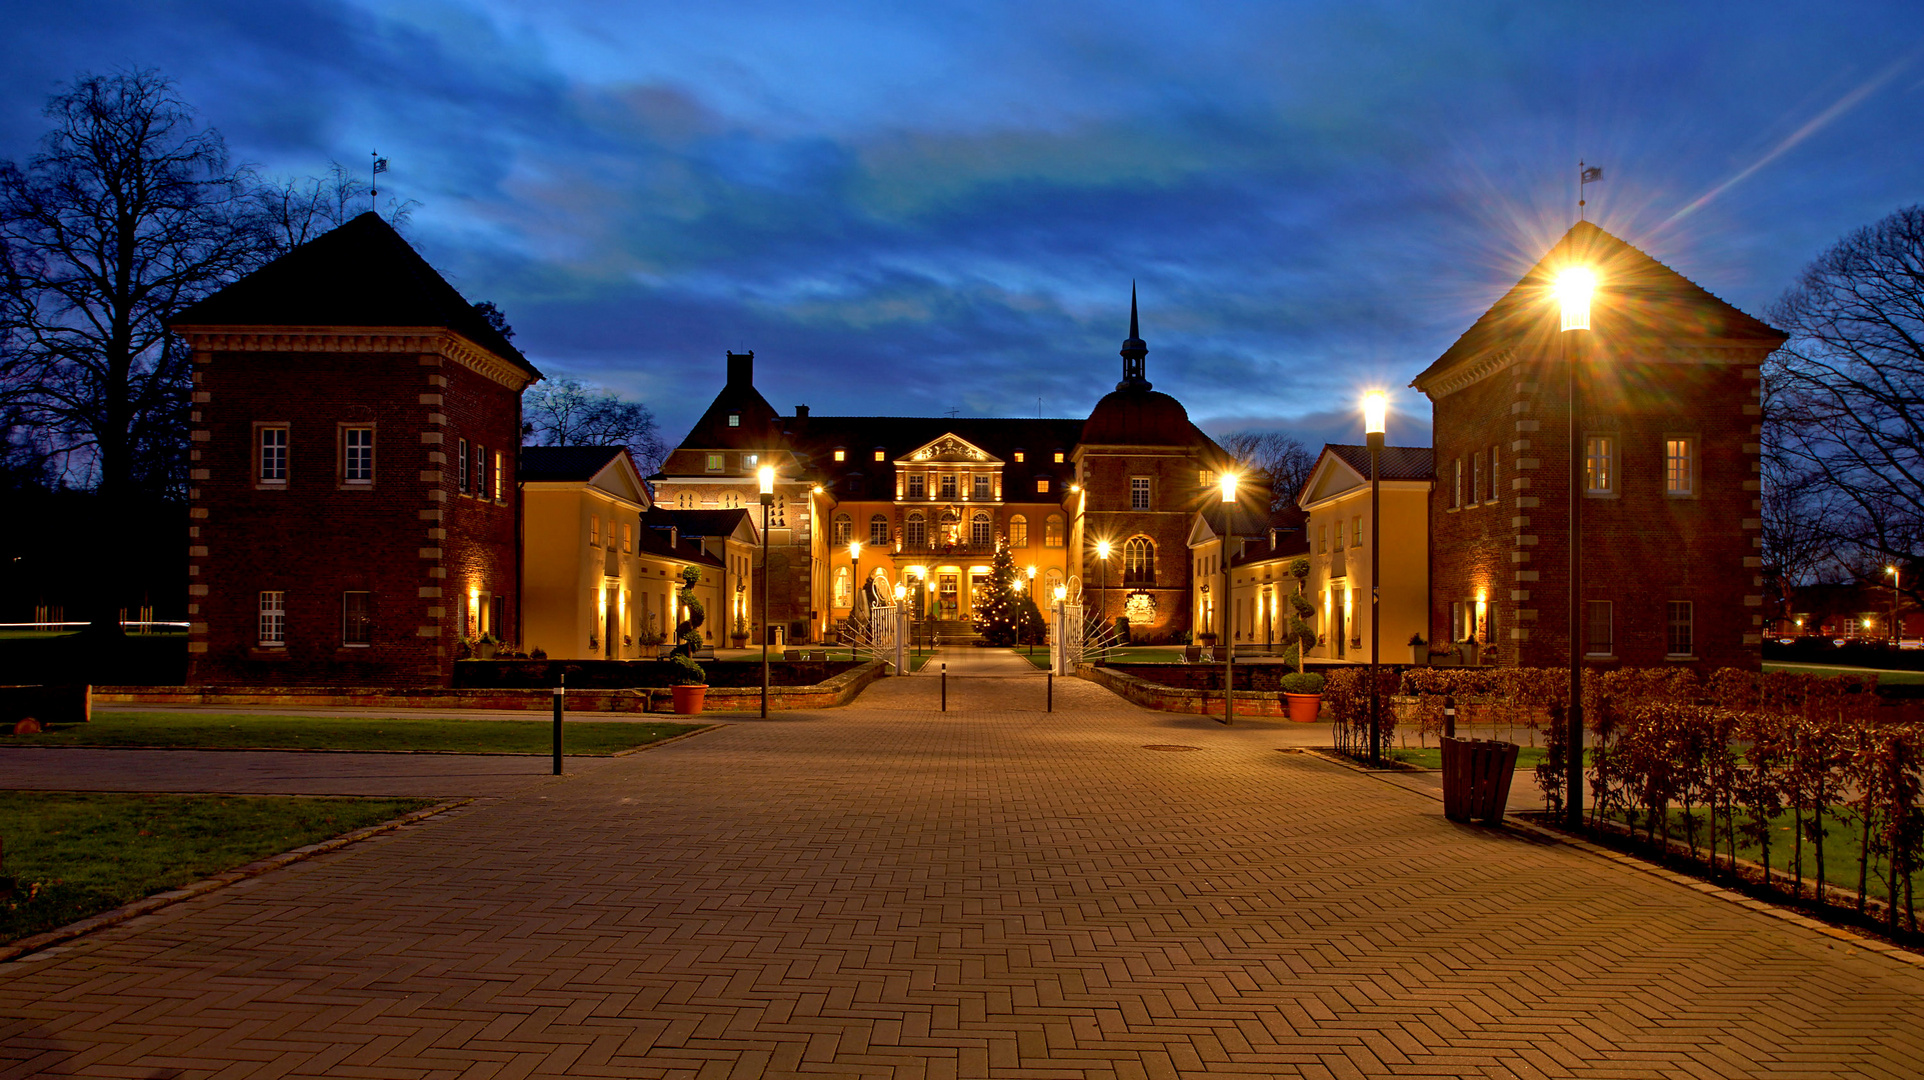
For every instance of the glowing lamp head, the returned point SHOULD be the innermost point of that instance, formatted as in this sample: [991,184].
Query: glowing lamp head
[1574,286]
[1228,483]
[1031,573]
[1062,593]
[767,476]
[854,549]
[901,591]
[1890,569]
[1102,549]
[1376,407]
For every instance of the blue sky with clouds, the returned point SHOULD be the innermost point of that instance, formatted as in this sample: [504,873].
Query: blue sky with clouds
[914,208]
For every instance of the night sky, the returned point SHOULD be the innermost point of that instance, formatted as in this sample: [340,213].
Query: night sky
[912,208]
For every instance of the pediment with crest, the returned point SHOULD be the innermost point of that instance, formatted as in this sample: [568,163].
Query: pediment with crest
[949,448]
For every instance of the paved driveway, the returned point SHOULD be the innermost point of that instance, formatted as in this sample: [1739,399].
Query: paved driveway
[889,890]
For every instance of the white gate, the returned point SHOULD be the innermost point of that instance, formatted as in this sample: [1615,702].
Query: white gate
[1065,638]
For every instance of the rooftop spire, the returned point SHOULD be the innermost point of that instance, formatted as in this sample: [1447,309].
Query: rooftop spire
[1133,351]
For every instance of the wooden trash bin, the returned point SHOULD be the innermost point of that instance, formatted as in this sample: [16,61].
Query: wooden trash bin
[1476,779]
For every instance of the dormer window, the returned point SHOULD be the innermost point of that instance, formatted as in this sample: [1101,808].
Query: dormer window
[879,455]
[1020,457]
[734,419]
[1058,457]
[841,454]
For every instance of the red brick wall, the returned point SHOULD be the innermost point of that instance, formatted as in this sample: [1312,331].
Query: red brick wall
[408,538]
[1642,547]
[1176,493]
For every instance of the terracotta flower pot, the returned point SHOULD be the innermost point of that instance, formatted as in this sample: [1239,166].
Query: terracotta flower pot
[1303,708]
[688,699]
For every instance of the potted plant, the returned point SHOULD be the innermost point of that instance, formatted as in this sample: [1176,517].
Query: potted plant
[1303,691]
[687,682]
[740,631]
[485,647]
[1419,649]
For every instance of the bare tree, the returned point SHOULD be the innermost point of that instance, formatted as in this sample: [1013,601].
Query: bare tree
[1846,396]
[1279,460]
[129,212]
[568,412]
[296,211]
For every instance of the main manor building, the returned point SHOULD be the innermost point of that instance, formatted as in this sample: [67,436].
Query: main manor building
[923,502]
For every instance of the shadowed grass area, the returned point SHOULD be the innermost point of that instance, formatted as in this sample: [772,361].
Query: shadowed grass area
[1843,846]
[1885,676]
[73,854]
[208,731]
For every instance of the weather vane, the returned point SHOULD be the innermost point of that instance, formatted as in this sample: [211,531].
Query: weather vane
[1586,174]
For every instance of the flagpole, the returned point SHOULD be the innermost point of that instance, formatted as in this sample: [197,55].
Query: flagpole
[374,181]
[1580,175]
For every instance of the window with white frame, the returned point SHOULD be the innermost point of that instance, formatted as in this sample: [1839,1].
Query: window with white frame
[948,485]
[844,587]
[480,470]
[273,619]
[1138,561]
[1492,494]
[461,466]
[1018,531]
[357,455]
[1679,466]
[915,531]
[1476,477]
[981,530]
[1599,465]
[878,530]
[1680,637]
[844,530]
[273,455]
[357,619]
[734,419]
[1139,493]
[1598,629]
[980,486]
[918,485]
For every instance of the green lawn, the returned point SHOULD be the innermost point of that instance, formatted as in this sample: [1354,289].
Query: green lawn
[1884,675]
[218,731]
[1134,654]
[1841,848]
[917,657]
[75,854]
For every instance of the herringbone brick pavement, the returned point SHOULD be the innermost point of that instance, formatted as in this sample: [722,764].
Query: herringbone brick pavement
[887,890]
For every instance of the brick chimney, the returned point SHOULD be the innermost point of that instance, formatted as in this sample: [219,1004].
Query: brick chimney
[741,369]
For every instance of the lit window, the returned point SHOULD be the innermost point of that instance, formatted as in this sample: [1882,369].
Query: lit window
[1042,485]
[1018,531]
[1680,639]
[1138,562]
[714,463]
[461,470]
[1599,465]
[357,618]
[734,419]
[1679,467]
[844,587]
[917,485]
[841,455]
[1597,629]
[878,529]
[273,455]
[1019,457]
[915,532]
[878,455]
[497,476]
[981,530]
[1058,457]
[357,455]
[273,619]
[1052,533]
[627,537]
[1356,531]
[480,470]
[844,530]
[1139,493]
[594,530]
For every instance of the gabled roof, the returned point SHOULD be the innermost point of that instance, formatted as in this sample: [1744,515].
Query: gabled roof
[1343,467]
[686,548]
[565,463]
[949,447]
[899,436]
[360,274]
[1636,297]
[705,523]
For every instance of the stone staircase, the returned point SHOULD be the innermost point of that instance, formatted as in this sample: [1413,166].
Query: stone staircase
[952,631]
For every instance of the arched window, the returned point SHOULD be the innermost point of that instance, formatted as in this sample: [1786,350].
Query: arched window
[1052,531]
[844,530]
[916,532]
[843,593]
[1018,531]
[951,525]
[878,530]
[1138,561]
[1054,578]
[981,530]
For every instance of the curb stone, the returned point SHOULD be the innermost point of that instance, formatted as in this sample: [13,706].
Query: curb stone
[145,905]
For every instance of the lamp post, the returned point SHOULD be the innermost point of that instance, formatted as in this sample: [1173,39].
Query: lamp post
[1228,482]
[767,476]
[1574,286]
[1375,406]
[1897,634]
[1032,601]
[1102,587]
[855,582]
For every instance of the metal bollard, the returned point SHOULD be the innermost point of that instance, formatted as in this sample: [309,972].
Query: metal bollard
[1052,692]
[945,687]
[560,693]
[1449,717]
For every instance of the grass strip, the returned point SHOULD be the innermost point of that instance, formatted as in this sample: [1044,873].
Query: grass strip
[74,854]
[1885,676]
[215,731]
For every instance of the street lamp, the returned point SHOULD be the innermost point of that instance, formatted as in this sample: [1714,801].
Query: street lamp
[1574,286]
[1228,484]
[1102,585]
[1375,408]
[855,580]
[767,476]
[1897,635]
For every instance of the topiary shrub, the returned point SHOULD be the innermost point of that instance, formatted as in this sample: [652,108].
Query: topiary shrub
[1302,682]
[683,671]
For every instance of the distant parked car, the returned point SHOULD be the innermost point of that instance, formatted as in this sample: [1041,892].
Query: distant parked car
[1839,642]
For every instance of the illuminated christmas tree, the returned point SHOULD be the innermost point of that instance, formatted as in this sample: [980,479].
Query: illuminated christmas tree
[996,614]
